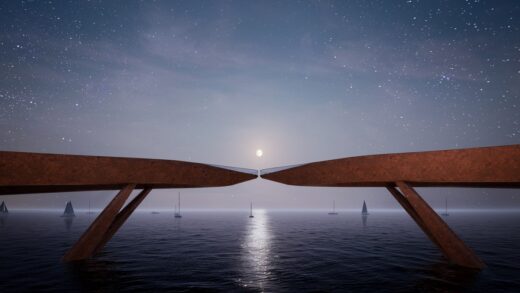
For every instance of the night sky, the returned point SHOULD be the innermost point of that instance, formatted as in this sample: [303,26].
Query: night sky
[213,82]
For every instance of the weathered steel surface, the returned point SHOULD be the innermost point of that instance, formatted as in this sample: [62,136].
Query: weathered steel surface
[474,167]
[38,173]
[411,211]
[121,218]
[91,239]
[453,248]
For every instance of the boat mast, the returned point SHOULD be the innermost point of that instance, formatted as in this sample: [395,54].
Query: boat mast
[251,210]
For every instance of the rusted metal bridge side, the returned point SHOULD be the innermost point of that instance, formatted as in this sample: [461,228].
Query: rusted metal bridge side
[400,173]
[41,173]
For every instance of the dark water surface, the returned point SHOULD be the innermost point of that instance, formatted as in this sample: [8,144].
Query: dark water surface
[273,252]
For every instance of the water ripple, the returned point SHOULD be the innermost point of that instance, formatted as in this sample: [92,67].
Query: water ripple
[273,252]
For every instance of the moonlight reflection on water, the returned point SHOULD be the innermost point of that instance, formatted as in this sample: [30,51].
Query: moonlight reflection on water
[256,250]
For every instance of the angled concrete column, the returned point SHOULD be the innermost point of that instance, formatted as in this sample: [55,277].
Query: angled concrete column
[455,250]
[121,218]
[89,241]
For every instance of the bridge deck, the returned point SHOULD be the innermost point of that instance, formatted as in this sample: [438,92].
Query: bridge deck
[38,173]
[472,167]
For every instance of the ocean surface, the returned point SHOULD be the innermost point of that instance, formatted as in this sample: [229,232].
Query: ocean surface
[275,251]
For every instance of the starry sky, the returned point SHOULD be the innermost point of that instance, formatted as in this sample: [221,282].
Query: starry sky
[212,81]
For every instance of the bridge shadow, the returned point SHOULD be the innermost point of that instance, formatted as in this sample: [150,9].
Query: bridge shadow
[443,277]
[100,276]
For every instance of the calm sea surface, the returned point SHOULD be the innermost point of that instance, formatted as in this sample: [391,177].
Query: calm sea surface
[273,252]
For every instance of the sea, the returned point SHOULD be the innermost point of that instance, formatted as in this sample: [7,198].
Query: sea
[276,251]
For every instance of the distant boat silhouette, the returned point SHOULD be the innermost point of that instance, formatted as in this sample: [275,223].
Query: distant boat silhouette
[333,213]
[178,212]
[69,210]
[251,211]
[89,211]
[155,213]
[364,211]
[3,208]
[446,209]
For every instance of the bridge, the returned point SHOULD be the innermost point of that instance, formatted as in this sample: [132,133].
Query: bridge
[400,174]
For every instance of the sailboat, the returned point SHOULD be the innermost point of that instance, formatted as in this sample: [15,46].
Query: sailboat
[251,211]
[364,210]
[333,213]
[446,209]
[69,210]
[178,212]
[3,208]
[89,210]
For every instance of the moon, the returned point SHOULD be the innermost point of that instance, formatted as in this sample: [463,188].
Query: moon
[259,153]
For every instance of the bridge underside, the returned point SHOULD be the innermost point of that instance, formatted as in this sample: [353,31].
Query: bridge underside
[41,173]
[400,173]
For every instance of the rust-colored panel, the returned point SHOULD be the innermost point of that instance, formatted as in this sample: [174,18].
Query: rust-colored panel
[93,237]
[479,167]
[37,173]
[411,211]
[455,250]
[121,218]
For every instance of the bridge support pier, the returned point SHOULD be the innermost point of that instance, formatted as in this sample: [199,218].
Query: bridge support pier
[121,218]
[453,248]
[105,225]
